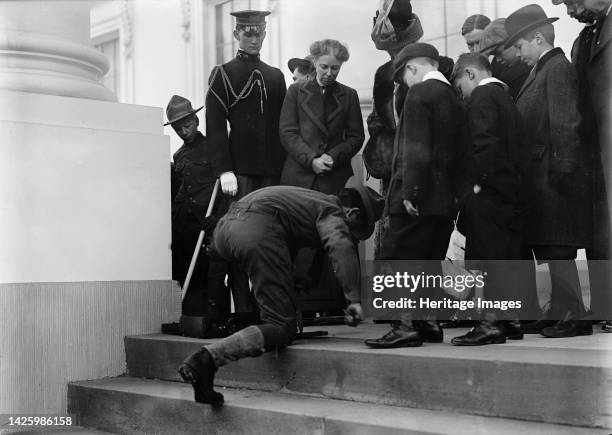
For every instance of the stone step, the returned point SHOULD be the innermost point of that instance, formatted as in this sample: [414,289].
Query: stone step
[565,381]
[136,406]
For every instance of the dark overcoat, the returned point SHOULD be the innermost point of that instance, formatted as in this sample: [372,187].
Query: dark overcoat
[599,78]
[306,133]
[554,214]
[248,94]
[429,146]
[488,219]
[581,59]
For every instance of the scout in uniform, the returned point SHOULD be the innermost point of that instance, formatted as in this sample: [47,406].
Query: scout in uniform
[262,232]
[195,174]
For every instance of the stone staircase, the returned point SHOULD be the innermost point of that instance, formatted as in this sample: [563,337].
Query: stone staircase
[335,385]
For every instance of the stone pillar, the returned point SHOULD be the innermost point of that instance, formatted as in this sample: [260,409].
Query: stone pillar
[84,206]
[45,48]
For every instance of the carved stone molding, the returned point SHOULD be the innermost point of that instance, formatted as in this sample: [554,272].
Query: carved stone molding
[126,28]
[186,19]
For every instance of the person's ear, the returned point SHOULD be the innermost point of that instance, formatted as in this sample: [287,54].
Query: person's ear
[263,35]
[236,33]
[538,38]
[470,73]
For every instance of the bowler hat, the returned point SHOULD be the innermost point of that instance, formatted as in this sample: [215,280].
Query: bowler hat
[493,36]
[523,21]
[373,204]
[304,63]
[179,108]
[412,51]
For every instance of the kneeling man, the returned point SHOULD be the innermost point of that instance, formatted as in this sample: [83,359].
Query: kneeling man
[262,232]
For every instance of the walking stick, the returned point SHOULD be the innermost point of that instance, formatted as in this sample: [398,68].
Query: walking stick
[196,251]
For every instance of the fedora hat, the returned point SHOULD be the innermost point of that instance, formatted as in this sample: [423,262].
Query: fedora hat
[179,108]
[373,204]
[523,21]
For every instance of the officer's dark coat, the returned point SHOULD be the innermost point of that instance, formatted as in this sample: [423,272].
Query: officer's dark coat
[429,144]
[306,133]
[548,103]
[249,94]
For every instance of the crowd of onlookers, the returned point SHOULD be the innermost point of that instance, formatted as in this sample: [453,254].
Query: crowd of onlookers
[509,143]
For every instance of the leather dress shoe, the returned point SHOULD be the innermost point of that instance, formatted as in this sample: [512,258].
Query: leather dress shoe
[399,336]
[484,333]
[199,370]
[429,330]
[607,326]
[514,330]
[568,328]
[537,326]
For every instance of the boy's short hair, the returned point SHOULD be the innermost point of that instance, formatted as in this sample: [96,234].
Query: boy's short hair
[547,31]
[475,22]
[473,60]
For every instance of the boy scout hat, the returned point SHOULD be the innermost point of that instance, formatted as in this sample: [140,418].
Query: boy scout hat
[523,21]
[179,108]
[373,204]
[251,20]
[294,62]
[412,51]
[493,36]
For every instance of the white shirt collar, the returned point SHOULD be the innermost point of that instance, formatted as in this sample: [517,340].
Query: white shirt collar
[492,80]
[436,75]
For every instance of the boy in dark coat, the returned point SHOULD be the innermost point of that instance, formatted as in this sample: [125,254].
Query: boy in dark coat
[557,187]
[421,198]
[489,209]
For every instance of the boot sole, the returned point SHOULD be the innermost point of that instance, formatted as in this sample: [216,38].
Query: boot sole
[394,345]
[501,340]
[515,337]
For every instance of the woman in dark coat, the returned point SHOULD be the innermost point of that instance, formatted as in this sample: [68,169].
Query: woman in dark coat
[320,124]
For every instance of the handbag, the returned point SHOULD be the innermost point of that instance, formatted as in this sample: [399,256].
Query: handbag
[453,267]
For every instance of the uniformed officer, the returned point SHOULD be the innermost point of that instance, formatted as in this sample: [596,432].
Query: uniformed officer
[262,232]
[194,175]
[248,94]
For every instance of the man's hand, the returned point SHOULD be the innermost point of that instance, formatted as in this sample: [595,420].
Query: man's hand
[411,208]
[477,189]
[353,314]
[229,183]
[323,164]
